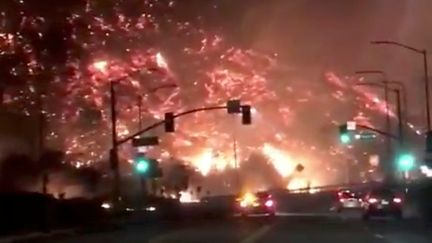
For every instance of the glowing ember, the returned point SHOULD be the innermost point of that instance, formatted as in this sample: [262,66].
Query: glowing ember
[107,42]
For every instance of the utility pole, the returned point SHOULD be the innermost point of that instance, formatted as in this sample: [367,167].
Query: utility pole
[399,114]
[114,160]
[142,178]
[41,140]
[236,165]
[388,127]
[427,92]
[389,155]
[140,100]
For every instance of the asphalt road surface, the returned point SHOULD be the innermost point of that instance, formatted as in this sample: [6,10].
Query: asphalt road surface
[291,228]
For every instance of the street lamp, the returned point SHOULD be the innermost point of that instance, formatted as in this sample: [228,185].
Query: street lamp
[425,68]
[113,156]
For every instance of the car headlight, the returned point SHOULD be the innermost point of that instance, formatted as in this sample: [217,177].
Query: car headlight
[106,205]
[150,209]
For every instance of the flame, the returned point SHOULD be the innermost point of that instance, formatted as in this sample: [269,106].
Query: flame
[100,66]
[281,161]
[206,161]
[298,185]
[161,62]
[187,197]
[247,199]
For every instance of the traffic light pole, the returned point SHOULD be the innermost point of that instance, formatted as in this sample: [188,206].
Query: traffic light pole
[117,142]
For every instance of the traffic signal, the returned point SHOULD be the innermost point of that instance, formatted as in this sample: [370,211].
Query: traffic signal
[169,122]
[233,106]
[246,115]
[405,161]
[344,135]
[142,164]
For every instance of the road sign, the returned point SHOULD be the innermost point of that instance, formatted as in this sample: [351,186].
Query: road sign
[145,141]
[351,125]
[299,168]
[233,106]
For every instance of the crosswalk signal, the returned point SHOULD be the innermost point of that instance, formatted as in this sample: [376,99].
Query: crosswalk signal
[344,135]
[169,122]
[246,115]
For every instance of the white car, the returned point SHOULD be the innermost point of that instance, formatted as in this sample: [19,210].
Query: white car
[348,200]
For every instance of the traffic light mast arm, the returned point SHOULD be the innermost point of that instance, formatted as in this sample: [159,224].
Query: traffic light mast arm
[159,123]
[379,131]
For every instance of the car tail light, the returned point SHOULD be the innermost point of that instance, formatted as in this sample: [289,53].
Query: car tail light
[372,200]
[397,200]
[269,203]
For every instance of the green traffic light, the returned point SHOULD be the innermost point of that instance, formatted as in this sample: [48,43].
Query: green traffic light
[406,162]
[142,165]
[345,138]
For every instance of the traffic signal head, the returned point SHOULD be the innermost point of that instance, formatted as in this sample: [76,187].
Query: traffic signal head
[233,106]
[246,115]
[405,161]
[344,135]
[142,164]
[169,122]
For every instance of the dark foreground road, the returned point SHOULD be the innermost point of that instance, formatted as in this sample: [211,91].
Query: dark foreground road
[291,228]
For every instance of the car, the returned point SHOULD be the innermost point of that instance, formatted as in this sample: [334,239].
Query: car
[256,203]
[382,202]
[348,200]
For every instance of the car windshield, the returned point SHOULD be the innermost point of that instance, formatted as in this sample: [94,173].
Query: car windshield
[262,195]
[347,195]
[239,121]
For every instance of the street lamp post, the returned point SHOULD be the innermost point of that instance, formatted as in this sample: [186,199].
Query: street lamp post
[401,97]
[113,155]
[425,68]
[398,104]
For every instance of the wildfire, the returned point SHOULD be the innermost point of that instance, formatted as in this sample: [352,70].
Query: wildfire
[110,43]
[281,161]
[187,197]
[301,185]
[207,161]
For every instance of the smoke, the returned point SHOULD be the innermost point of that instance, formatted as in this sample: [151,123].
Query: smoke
[20,172]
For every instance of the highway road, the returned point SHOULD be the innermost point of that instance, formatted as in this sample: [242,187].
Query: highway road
[286,227]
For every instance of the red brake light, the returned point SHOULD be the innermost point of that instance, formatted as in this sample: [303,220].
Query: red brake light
[269,203]
[372,200]
[397,200]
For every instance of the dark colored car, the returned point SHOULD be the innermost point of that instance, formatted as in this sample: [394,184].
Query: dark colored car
[382,202]
[258,203]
